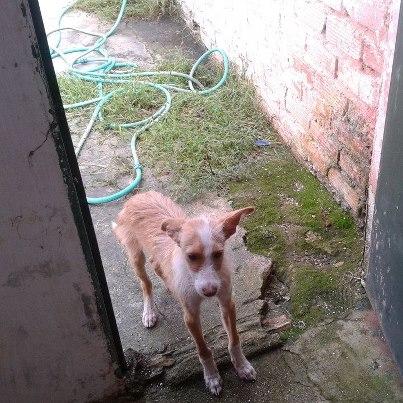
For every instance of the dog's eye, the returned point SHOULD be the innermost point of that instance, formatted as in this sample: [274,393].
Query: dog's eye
[217,254]
[192,257]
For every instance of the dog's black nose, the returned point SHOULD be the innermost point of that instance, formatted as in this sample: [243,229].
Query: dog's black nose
[209,291]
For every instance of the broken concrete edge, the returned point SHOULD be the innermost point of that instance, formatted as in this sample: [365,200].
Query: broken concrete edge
[181,364]
[282,322]
[259,334]
[177,366]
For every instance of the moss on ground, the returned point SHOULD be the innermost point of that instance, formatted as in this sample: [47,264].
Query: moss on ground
[355,381]
[363,387]
[341,358]
[138,9]
[315,292]
[315,244]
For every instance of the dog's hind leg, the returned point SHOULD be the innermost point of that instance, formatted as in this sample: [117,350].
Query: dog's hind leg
[137,261]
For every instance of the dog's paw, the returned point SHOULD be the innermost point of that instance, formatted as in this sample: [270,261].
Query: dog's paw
[214,383]
[149,317]
[245,371]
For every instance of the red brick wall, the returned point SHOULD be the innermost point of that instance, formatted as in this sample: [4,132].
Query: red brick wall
[341,67]
[317,65]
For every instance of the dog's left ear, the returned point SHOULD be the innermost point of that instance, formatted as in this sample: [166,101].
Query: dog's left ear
[229,221]
[173,227]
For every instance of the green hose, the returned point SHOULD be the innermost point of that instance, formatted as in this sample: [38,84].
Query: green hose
[108,70]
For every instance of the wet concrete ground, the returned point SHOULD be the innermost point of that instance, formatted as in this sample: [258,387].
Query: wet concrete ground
[312,369]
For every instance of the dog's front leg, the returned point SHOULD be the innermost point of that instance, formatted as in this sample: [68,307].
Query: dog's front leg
[242,366]
[210,371]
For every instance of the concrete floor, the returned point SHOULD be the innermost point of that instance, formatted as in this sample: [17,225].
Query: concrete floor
[342,361]
[312,369]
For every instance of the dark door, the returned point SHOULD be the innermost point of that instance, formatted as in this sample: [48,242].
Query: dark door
[385,272]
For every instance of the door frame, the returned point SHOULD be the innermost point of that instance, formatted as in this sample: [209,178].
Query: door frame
[76,193]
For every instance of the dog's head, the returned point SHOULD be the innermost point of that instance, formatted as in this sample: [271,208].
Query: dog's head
[202,242]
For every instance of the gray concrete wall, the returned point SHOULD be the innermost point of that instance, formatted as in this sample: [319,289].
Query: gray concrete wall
[53,343]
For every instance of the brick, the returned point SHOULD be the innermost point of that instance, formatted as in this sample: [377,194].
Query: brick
[302,67]
[369,13]
[299,112]
[312,15]
[368,113]
[344,35]
[350,195]
[372,56]
[328,89]
[317,156]
[299,104]
[356,142]
[357,172]
[335,4]
[364,83]
[319,57]
[326,140]
[295,34]
[331,94]
[288,128]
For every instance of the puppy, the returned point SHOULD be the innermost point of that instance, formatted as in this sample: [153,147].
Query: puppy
[188,254]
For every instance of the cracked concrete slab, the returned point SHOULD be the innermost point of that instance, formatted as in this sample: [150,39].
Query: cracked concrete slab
[142,42]
[348,360]
[342,360]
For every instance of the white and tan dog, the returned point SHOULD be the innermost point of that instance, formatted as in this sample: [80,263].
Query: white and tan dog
[189,256]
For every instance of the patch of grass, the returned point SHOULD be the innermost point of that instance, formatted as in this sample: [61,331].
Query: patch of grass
[203,142]
[138,9]
[74,90]
[134,103]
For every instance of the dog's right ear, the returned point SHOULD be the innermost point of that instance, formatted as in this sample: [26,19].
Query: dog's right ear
[173,227]
[229,221]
